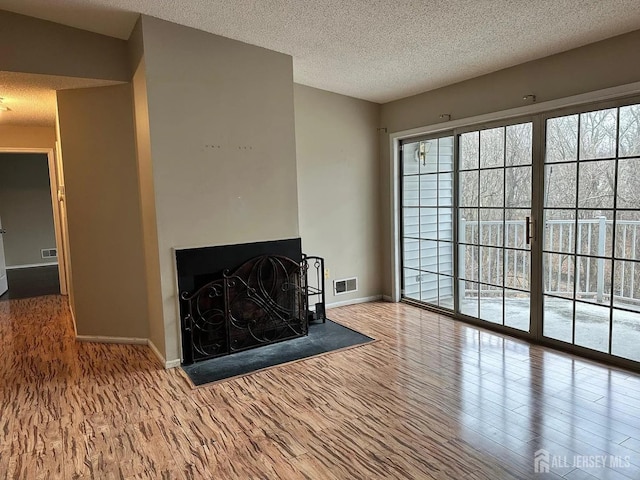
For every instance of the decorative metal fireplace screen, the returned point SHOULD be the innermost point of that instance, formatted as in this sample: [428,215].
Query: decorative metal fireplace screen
[264,301]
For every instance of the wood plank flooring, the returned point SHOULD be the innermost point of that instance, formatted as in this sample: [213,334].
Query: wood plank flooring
[433,399]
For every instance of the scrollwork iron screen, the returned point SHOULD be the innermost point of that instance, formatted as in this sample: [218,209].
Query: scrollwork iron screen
[262,302]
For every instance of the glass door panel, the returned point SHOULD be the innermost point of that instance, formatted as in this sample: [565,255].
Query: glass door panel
[494,203]
[591,244]
[427,221]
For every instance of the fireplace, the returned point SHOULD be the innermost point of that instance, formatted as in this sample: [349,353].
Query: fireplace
[237,297]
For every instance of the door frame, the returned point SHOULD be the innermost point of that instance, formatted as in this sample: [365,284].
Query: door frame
[54,187]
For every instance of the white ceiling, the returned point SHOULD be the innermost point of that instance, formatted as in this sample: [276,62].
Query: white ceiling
[32,98]
[372,49]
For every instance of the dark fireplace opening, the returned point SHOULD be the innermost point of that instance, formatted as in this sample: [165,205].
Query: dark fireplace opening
[236,297]
[198,266]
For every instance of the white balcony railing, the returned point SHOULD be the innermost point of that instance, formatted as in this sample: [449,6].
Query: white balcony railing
[592,243]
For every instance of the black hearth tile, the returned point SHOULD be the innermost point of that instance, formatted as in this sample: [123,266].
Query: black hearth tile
[322,338]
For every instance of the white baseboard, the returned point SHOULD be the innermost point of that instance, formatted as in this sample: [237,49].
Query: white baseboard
[172,363]
[101,339]
[131,341]
[31,265]
[165,363]
[388,298]
[354,301]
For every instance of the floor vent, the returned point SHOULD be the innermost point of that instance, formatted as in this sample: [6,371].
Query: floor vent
[49,252]
[345,285]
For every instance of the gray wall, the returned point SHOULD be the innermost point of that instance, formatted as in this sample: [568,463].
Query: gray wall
[593,67]
[31,45]
[338,186]
[25,208]
[103,211]
[147,193]
[222,147]
[12,136]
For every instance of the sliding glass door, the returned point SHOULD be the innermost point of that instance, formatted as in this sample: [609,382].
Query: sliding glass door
[494,224]
[592,230]
[491,181]
[471,244]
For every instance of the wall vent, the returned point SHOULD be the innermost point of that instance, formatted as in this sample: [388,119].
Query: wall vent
[49,252]
[346,285]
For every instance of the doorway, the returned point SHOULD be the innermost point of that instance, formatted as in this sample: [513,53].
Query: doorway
[32,258]
[530,226]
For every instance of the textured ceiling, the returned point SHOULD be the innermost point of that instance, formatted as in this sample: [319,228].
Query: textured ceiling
[32,98]
[372,49]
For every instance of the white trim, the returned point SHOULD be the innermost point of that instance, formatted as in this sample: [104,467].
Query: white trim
[394,143]
[167,364]
[355,301]
[121,340]
[73,318]
[31,265]
[57,220]
[387,298]
[172,363]
[395,137]
[64,253]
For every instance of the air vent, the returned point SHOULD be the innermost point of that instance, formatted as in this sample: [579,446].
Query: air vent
[49,252]
[345,285]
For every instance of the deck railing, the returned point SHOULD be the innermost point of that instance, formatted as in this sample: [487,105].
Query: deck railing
[590,271]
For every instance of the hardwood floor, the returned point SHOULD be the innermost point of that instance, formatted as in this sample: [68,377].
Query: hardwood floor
[433,399]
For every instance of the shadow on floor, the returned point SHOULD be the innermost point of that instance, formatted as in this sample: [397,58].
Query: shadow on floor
[32,282]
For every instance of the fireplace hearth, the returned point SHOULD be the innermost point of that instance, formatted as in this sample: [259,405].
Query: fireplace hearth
[262,299]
